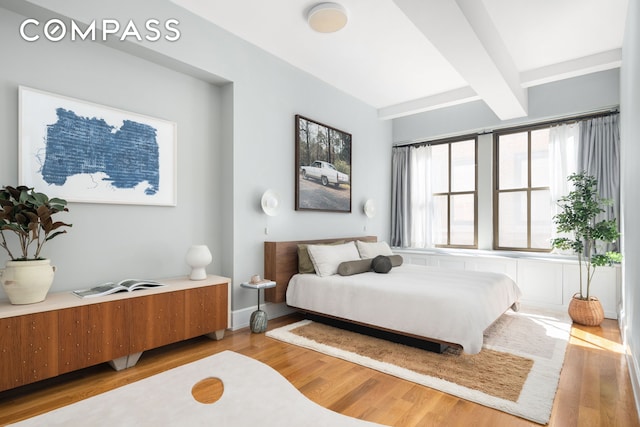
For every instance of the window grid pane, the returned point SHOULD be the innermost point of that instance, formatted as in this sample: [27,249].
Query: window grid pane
[512,227]
[440,222]
[453,171]
[440,168]
[540,158]
[541,219]
[513,155]
[462,207]
[463,166]
[523,218]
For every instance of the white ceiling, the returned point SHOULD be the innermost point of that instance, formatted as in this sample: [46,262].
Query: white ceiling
[408,56]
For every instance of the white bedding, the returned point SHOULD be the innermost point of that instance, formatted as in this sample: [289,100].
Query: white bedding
[454,306]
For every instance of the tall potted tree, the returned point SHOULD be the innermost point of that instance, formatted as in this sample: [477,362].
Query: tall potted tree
[28,215]
[577,218]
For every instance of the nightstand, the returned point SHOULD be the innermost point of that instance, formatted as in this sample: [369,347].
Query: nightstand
[258,321]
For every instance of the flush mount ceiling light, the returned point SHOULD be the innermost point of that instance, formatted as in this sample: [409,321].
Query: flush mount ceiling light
[327,17]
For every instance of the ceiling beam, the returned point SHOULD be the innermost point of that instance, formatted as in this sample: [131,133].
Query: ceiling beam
[464,34]
[576,67]
[552,73]
[428,103]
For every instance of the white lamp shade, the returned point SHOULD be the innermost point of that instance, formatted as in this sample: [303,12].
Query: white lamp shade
[270,202]
[198,257]
[327,17]
[369,208]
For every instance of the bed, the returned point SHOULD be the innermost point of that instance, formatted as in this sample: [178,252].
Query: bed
[442,306]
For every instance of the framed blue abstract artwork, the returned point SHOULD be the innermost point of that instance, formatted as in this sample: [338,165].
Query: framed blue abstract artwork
[85,152]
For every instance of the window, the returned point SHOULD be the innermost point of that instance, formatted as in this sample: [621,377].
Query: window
[523,218]
[454,194]
[498,189]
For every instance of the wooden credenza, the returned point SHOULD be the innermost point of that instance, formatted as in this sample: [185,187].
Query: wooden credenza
[65,333]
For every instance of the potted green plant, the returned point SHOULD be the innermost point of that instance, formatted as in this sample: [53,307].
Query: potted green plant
[28,215]
[577,218]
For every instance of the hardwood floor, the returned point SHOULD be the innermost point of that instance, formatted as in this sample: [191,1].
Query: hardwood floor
[594,390]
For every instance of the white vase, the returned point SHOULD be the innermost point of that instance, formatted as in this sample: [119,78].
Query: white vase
[198,257]
[27,282]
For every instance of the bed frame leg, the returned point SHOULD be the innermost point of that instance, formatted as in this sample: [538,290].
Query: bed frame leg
[423,344]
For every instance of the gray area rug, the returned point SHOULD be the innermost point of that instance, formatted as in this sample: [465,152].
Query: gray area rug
[538,337]
[254,395]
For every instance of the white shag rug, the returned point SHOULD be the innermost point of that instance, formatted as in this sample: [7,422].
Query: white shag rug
[539,335]
[254,395]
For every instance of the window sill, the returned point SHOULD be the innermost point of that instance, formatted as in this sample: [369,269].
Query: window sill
[484,253]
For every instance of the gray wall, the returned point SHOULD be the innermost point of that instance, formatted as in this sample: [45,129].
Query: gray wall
[562,98]
[108,241]
[630,153]
[252,148]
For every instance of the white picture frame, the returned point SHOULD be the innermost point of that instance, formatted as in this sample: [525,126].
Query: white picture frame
[86,152]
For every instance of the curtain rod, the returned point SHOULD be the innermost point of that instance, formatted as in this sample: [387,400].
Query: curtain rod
[533,123]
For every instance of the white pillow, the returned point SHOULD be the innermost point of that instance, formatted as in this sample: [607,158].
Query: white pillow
[373,249]
[327,258]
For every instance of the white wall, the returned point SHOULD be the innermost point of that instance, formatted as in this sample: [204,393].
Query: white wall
[255,119]
[544,281]
[630,197]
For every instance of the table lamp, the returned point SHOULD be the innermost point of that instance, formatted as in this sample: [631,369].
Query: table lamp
[198,257]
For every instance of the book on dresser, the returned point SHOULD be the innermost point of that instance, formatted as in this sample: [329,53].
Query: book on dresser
[126,285]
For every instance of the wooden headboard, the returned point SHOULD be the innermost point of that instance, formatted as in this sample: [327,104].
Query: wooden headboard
[281,263]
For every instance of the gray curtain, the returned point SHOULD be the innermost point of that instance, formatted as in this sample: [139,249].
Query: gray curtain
[400,195]
[599,156]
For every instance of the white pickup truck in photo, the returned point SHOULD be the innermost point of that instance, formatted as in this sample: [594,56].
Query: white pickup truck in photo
[324,172]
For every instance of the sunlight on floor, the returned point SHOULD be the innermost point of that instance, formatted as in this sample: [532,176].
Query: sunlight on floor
[555,328]
[589,340]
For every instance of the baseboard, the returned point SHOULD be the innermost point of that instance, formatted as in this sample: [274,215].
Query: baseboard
[634,370]
[240,318]
[613,315]
[632,363]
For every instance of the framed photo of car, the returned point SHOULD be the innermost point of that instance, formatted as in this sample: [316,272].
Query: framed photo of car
[323,167]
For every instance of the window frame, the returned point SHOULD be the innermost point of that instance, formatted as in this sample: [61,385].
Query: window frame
[529,189]
[449,193]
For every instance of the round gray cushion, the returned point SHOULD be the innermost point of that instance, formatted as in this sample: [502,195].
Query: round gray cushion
[381,264]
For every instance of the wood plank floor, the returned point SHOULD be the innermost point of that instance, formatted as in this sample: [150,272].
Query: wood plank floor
[594,390]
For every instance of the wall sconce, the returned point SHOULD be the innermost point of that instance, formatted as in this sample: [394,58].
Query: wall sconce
[369,208]
[270,202]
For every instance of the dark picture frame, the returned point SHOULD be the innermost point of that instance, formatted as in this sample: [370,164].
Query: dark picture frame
[323,167]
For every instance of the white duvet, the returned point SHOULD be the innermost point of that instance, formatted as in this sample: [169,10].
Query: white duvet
[454,306]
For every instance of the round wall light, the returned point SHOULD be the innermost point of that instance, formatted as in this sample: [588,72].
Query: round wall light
[270,202]
[370,208]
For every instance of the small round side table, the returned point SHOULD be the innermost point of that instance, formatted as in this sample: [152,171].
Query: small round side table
[258,321]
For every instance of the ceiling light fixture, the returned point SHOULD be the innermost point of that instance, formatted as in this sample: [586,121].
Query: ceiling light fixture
[327,17]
